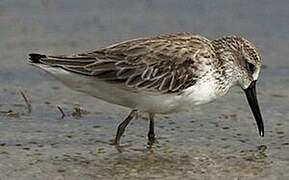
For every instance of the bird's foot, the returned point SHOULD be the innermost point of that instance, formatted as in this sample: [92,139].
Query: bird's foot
[151,141]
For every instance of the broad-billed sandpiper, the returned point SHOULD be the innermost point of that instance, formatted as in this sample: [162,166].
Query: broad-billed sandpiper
[161,74]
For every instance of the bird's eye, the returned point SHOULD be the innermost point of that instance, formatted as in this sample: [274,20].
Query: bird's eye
[250,67]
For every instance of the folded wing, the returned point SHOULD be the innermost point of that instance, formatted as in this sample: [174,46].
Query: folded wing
[168,63]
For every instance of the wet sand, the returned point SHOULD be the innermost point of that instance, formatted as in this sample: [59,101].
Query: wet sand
[215,141]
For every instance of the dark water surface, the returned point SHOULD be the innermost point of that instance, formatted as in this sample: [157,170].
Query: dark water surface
[215,141]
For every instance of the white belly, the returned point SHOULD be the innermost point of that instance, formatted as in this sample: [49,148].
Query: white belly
[153,102]
[202,92]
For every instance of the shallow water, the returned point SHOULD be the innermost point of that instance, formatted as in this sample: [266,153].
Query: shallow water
[215,141]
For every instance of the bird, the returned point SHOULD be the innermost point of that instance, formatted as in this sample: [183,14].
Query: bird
[161,74]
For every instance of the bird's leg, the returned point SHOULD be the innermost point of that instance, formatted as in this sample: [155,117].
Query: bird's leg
[123,125]
[151,133]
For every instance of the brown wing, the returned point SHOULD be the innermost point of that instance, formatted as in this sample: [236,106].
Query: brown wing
[167,63]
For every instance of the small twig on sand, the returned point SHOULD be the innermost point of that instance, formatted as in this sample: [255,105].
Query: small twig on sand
[78,111]
[62,112]
[9,113]
[27,101]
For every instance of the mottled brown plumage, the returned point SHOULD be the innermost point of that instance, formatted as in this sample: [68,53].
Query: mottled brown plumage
[167,63]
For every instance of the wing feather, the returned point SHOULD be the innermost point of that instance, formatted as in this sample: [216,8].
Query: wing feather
[167,63]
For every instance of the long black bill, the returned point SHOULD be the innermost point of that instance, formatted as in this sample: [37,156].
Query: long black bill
[253,102]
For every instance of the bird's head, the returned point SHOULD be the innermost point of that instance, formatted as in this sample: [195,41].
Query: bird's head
[244,61]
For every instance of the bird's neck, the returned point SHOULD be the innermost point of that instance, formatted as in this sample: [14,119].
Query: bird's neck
[226,73]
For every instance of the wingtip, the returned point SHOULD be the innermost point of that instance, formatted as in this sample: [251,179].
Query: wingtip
[35,57]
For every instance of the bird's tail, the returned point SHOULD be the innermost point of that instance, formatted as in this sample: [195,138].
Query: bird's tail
[35,58]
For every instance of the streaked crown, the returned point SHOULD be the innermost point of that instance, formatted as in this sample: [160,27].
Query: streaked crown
[242,55]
